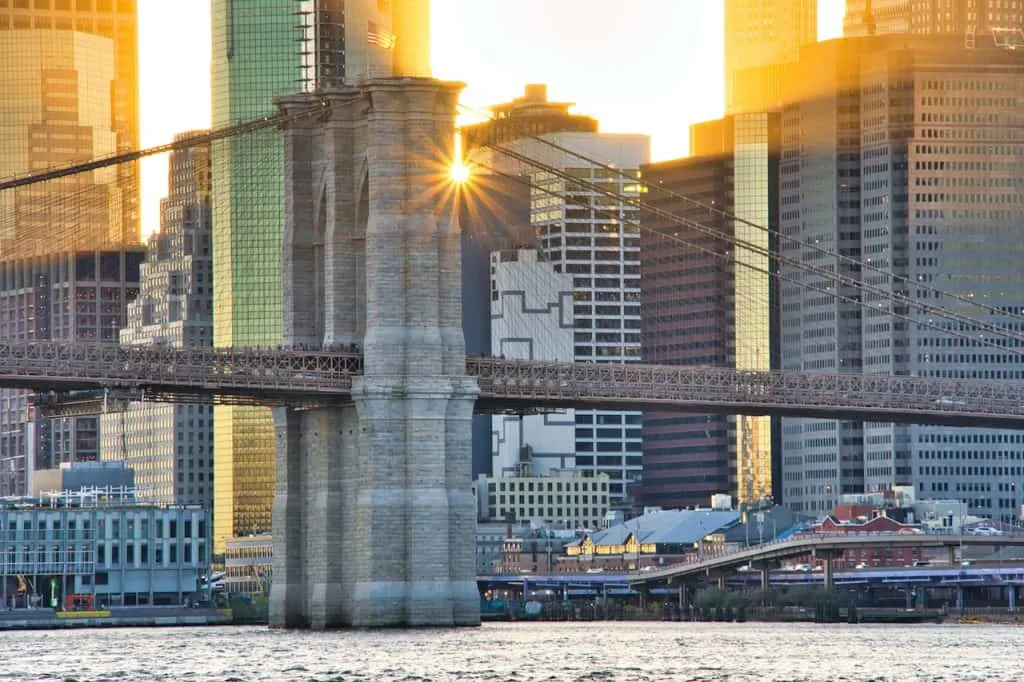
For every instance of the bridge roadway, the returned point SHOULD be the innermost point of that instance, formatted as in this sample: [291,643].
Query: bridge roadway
[820,544]
[318,377]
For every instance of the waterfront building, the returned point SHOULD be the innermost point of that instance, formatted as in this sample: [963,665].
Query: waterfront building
[531,319]
[761,38]
[570,499]
[976,22]
[248,564]
[100,546]
[69,74]
[170,446]
[902,152]
[68,296]
[262,50]
[707,303]
[659,536]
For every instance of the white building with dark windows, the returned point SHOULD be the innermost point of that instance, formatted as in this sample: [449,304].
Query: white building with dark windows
[595,240]
[531,319]
[571,499]
[170,446]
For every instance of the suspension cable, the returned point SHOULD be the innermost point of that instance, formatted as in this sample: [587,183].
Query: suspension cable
[747,245]
[177,145]
[895,298]
[750,266]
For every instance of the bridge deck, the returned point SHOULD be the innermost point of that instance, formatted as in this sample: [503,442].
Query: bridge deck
[305,377]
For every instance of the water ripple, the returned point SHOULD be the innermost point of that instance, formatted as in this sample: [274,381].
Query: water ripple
[523,652]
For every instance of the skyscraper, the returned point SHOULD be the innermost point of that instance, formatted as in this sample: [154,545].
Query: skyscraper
[761,36]
[904,154]
[263,49]
[69,74]
[977,21]
[583,233]
[170,446]
[703,310]
[69,78]
[76,296]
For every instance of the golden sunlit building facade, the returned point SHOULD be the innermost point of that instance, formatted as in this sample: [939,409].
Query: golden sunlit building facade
[263,49]
[761,37]
[69,84]
[69,75]
[982,23]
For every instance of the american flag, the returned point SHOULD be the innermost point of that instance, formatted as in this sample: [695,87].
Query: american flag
[376,35]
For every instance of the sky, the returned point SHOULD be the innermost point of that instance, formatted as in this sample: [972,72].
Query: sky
[655,69]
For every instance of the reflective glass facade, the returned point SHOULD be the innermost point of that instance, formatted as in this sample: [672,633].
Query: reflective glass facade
[754,138]
[706,303]
[255,58]
[759,35]
[69,74]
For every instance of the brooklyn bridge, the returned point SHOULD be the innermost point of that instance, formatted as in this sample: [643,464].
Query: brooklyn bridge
[374,392]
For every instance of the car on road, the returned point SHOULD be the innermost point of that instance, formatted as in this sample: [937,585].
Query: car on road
[984,530]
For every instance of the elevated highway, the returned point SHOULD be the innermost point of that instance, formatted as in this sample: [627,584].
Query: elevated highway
[823,545]
[322,377]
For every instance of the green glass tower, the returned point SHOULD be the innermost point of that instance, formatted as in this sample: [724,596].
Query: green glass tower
[263,49]
[255,59]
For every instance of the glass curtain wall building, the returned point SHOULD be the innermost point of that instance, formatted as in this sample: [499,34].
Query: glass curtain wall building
[255,59]
[702,310]
[760,37]
[68,74]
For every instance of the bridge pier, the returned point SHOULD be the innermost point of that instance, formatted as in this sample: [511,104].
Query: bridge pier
[374,516]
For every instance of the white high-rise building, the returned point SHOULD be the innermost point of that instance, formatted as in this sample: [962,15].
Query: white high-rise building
[531,319]
[594,239]
[170,446]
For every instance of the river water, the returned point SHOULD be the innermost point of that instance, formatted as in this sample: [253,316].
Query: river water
[521,652]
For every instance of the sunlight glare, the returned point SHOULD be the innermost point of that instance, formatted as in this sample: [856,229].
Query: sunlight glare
[459,172]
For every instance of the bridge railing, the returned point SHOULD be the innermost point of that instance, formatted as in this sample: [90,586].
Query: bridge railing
[677,385]
[63,366]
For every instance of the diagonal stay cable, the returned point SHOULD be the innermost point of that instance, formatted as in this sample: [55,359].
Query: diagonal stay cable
[938,292]
[995,310]
[183,143]
[729,259]
[522,158]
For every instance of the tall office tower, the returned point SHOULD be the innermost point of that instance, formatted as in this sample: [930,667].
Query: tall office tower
[761,38]
[914,166]
[704,310]
[495,216]
[583,233]
[820,181]
[978,22]
[69,74]
[263,49]
[68,296]
[170,447]
[532,319]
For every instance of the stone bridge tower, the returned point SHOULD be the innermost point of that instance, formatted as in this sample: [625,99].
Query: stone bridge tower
[374,516]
